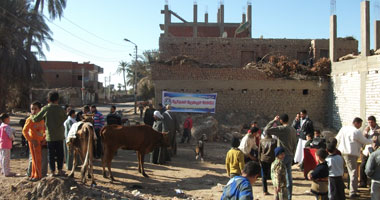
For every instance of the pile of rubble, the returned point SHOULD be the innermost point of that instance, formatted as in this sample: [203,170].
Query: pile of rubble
[283,67]
[61,188]
[187,60]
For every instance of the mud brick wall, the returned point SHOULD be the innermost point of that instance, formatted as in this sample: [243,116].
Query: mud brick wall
[238,52]
[245,91]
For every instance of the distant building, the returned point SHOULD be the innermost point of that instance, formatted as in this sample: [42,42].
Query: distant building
[67,76]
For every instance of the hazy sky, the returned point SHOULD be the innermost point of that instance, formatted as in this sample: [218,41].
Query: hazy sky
[100,26]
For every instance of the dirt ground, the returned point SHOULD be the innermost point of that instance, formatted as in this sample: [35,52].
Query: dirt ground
[193,179]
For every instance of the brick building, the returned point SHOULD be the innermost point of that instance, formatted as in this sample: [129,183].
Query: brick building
[240,90]
[66,74]
[355,83]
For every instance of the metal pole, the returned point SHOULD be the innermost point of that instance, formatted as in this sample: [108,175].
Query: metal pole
[83,100]
[135,81]
[109,87]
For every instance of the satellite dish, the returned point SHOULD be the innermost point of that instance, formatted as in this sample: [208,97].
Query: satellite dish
[224,35]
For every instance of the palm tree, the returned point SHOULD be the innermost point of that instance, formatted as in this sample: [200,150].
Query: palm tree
[122,69]
[16,62]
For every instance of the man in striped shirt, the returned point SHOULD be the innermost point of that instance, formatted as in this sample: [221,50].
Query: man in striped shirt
[240,187]
[98,124]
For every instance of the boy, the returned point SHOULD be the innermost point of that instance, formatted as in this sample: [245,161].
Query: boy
[54,117]
[266,157]
[278,175]
[319,176]
[240,187]
[318,141]
[336,169]
[248,145]
[234,159]
[309,139]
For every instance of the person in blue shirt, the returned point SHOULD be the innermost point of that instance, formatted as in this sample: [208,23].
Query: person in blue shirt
[240,187]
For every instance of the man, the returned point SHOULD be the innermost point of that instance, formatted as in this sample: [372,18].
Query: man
[141,108]
[369,132]
[248,145]
[148,117]
[350,140]
[86,110]
[161,108]
[170,124]
[240,187]
[306,127]
[373,171]
[187,125]
[287,138]
[113,117]
[98,124]
[54,117]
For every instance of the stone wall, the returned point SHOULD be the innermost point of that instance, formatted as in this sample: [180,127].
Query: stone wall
[245,91]
[355,89]
[238,52]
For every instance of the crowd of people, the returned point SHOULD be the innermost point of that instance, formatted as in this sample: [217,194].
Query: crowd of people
[269,154]
[283,144]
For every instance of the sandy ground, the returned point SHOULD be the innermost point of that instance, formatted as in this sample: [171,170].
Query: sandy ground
[196,179]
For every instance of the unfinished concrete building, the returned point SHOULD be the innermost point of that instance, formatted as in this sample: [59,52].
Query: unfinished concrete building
[222,52]
[355,83]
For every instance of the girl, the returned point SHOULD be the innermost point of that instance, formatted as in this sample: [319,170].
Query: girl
[34,132]
[6,138]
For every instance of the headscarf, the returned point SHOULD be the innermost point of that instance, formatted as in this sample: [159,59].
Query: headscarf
[158,114]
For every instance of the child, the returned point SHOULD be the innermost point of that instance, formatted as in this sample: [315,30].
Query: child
[278,175]
[34,132]
[266,157]
[240,187]
[318,141]
[69,154]
[6,138]
[54,117]
[234,159]
[319,176]
[309,139]
[335,163]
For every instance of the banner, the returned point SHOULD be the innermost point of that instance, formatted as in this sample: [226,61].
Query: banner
[186,102]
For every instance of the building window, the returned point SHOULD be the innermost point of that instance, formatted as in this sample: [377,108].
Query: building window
[305,92]
[57,76]
[80,78]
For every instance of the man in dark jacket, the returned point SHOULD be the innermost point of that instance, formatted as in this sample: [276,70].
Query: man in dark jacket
[148,116]
[113,117]
[266,157]
[170,124]
[306,127]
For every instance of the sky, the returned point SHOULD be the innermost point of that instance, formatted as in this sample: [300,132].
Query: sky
[93,30]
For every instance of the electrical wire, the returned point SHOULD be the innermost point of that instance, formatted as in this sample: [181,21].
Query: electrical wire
[58,42]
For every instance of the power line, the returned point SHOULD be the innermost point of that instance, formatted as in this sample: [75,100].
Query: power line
[92,33]
[90,43]
[62,44]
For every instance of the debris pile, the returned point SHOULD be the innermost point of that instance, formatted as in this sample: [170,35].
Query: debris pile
[283,67]
[187,60]
[60,188]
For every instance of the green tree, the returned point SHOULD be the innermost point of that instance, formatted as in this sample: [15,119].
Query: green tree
[18,66]
[123,66]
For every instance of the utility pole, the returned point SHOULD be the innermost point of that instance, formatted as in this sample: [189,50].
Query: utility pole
[104,88]
[83,98]
[135,76]
[109,86]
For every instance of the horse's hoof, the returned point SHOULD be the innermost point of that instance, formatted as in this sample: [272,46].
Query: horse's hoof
[104,176]
[145,175]
[89,175]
